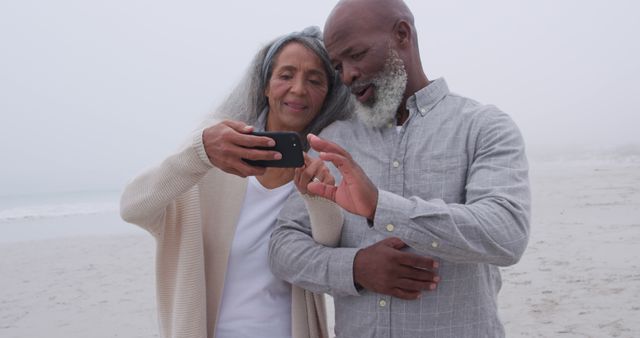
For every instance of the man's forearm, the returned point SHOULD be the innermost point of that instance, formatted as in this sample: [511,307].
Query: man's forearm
[492,231]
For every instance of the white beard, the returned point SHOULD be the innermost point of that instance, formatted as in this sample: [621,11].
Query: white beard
[389,86]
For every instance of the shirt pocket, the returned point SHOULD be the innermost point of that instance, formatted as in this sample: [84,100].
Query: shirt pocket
[442,177]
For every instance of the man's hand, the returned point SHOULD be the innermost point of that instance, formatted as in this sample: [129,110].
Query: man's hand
[356,193]
[228,142]
[384,269]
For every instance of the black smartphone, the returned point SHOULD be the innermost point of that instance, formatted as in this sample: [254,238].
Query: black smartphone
[288,144]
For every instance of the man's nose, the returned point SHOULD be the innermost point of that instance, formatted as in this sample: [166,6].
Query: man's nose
[349,74]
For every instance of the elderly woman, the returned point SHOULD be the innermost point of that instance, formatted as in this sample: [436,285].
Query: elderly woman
[212,213]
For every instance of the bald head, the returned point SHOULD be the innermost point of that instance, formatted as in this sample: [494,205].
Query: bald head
[367,15]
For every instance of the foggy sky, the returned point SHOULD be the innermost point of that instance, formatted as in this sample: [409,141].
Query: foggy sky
[93,92]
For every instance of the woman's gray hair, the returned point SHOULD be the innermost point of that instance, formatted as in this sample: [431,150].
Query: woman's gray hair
[247,102]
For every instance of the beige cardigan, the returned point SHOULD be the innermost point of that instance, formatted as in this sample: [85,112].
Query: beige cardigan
[191,208]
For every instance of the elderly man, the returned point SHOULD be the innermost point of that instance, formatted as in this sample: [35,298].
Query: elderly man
[425,172]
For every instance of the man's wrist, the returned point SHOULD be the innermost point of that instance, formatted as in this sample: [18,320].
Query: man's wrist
[357,285]
[370,223]
[372,214]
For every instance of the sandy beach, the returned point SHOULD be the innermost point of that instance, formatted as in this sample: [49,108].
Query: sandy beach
[580,276]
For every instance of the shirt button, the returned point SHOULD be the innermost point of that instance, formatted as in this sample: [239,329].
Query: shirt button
[396,164]
[423,110]
[434,244]
[390,227]
[382,303]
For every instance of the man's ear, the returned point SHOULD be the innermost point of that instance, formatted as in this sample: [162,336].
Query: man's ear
[402,33]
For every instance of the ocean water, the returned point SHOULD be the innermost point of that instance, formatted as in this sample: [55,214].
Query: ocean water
[56,215]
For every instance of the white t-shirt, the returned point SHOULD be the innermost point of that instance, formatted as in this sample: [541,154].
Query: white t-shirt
[254,302]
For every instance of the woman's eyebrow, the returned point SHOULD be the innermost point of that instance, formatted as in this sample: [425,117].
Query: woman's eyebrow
[316,71]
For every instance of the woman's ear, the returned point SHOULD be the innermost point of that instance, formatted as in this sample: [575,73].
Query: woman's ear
[266,90]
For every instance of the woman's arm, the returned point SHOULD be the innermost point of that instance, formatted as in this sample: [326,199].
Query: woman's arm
[146,199]
[222,145]
[326,220]
[326,217]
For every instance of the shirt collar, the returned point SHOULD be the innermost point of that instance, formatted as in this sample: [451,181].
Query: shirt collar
[426,98]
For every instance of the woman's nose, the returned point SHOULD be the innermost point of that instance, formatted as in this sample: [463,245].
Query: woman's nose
[298,86]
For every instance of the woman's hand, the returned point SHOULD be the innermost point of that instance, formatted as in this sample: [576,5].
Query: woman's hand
[314,170]
[229,142]
[356,193]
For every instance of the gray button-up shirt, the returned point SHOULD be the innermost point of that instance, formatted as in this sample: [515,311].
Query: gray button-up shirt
[453,185]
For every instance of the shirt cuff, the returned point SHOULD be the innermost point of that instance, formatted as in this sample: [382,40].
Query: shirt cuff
[198,145]
[341,272]
[392,213]
[393,217]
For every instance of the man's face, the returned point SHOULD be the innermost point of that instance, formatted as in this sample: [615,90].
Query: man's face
[371,68]
[358,57]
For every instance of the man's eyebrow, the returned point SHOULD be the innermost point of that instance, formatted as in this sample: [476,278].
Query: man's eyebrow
[347,51]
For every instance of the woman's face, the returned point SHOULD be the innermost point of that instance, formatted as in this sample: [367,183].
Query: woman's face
[297,88]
